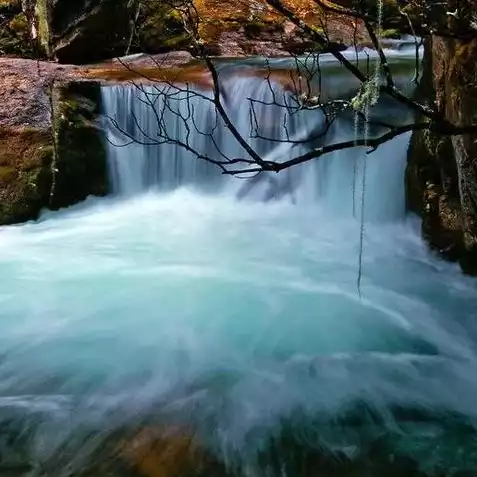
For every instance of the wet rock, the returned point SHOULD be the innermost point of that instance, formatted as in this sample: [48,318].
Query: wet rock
[155,451]
[169,452]
[15,448]
[442,171]
[79,168]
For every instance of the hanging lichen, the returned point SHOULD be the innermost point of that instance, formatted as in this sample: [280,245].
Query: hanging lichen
[366,98]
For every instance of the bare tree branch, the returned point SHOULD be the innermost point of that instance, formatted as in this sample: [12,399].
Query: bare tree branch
[302,98]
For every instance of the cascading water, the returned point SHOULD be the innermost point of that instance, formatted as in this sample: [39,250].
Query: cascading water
[180,303]
[167,165]
[138,114]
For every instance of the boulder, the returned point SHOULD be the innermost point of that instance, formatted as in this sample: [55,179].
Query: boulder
[158,28]
[57,159]
[84,30]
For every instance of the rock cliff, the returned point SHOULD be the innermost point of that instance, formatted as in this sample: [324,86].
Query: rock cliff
[86,31]
[442,171]
[51,150]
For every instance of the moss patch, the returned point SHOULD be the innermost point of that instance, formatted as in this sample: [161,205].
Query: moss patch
[42,16]
[159,28]
[391,33]
[25,159]
[37,172]
[80,160]
[15,31]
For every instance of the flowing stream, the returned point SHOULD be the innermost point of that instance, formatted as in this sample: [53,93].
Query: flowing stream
[231,307]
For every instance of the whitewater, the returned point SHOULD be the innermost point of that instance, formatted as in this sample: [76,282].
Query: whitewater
[177,300]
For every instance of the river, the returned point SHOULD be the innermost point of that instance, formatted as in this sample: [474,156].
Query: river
[182,299]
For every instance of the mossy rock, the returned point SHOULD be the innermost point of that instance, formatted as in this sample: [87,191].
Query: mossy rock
[391,15]
[84,31]
[159,29]
[58,167]
[80,151]
[25,173]
[391,33]
[441,181]
[15,32]
[10,7]
[258,27]
[7,174]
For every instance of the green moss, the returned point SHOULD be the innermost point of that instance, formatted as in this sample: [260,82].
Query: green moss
[176,42]
[15,34]
[7,174]
[80,159]
[42,15]
[25,157]
[317,29]
[10,6]
[19,24]
[391,33]
[160,28]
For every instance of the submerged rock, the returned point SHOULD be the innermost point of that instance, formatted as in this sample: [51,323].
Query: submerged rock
[154,451]
[169,452]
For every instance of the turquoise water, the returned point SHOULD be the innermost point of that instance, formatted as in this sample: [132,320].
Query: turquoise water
[175,303]
[204,307]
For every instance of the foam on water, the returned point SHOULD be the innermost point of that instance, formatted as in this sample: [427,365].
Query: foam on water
[143,303]
[180,302]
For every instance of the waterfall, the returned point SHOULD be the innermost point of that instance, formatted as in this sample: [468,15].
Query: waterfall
[211,318]
[136,167]
[147,116]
